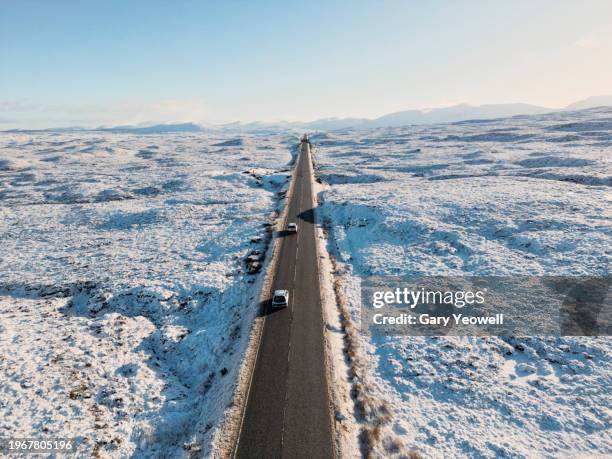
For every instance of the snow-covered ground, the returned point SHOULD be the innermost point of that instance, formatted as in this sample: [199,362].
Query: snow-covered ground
[124,301]
[526,195]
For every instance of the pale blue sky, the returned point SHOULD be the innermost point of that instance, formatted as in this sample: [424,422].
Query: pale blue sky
[112,62]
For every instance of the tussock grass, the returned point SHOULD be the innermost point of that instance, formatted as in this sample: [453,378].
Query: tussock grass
[374,412]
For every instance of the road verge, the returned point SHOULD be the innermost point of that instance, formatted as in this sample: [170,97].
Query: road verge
[359,416]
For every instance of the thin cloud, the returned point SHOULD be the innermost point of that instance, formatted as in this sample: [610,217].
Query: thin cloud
[589,41]
[25,114]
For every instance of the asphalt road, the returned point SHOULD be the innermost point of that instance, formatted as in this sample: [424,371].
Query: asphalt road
[288,413]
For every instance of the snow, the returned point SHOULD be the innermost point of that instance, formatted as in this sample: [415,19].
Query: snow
[125,303]
[337,363]
[528,195]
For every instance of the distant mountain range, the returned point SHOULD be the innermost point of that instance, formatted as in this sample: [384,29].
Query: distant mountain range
[154,129]
[591,102]
[460,112]
[455,113]
[451,114]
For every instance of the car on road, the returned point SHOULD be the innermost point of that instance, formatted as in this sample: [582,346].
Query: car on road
[292,227]
[280,299]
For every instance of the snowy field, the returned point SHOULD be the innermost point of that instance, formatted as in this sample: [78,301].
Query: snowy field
[124,300]
[525,195]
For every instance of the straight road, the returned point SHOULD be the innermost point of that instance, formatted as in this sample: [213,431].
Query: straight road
[288,412]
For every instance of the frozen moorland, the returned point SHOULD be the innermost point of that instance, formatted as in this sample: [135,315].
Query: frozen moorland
[525,195]
[125,303]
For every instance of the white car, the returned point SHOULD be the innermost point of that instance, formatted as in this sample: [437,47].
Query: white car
[292,227]
[280,299]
